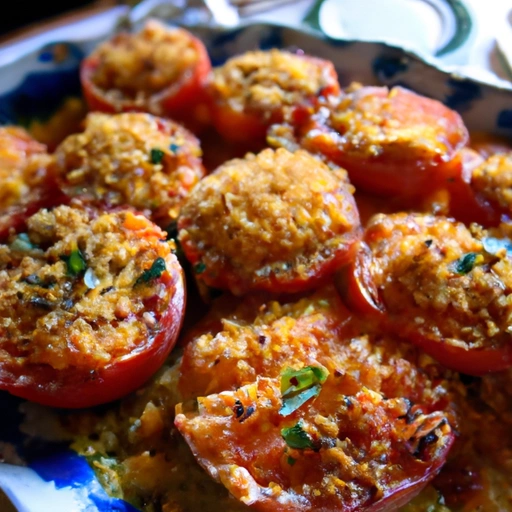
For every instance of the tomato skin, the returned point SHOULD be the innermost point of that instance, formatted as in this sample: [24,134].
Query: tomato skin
[392,142]
[240,127]
[404,494]
[278,191]
[71,389]
[249,126]
[472,362]
[15,217]
[357,285]
[180,100]
[465,204]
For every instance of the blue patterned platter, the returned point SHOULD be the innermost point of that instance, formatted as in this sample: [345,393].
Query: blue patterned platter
[37,75]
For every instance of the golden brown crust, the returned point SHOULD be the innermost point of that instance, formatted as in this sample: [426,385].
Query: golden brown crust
[23,163]
[133,158]
[136,66]
[437,275]
[493,181]
[69,295]
[265,216]
[266,81]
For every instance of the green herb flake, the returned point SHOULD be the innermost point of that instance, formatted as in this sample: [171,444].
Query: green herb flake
[466,263]
[296,437]
[199,268]
[157,269]
[299,386]
[291,461]
[156,156]
[75,262]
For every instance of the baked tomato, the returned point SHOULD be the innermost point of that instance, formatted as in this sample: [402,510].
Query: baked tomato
[132,159]
[432,281]
[253,90]
[276,221]
[327,456]
[491,186]
[91,304]
[26,185]
[298,418]
[392,142]
[462,201]
[478,472]
[160,70]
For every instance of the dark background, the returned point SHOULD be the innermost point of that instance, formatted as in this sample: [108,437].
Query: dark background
[18,14]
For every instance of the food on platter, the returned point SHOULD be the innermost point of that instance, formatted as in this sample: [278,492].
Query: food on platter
[349,348]
[26,184]
[160,70]
[132,159]
[276,221]
[254,90]
[432,281]
[391,141]
[91,304]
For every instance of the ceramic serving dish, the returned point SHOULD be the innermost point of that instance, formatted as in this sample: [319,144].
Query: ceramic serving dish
[42,474]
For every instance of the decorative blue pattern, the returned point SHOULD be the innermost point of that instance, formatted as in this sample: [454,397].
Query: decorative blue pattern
[505,119]
[465,92]
[385,67]
[67,469]
[42,81]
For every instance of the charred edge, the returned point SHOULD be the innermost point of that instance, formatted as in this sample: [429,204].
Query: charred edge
[238,409]
[424,443]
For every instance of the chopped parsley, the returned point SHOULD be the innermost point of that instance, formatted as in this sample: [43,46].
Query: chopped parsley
[199,268]
[157,269]
[298,386]
[291,461]
[75,262]
[296,437]
[156,156]
[466,263]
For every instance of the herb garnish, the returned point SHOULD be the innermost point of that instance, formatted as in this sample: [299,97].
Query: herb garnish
[298,386]
[466,263]
[156,156]
[296,437]
[75,262]
[157,269]
[199,268]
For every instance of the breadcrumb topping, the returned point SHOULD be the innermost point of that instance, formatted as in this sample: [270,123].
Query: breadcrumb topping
[435,272]
[69,295]
[272,214]
[137,66]
[133,158]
